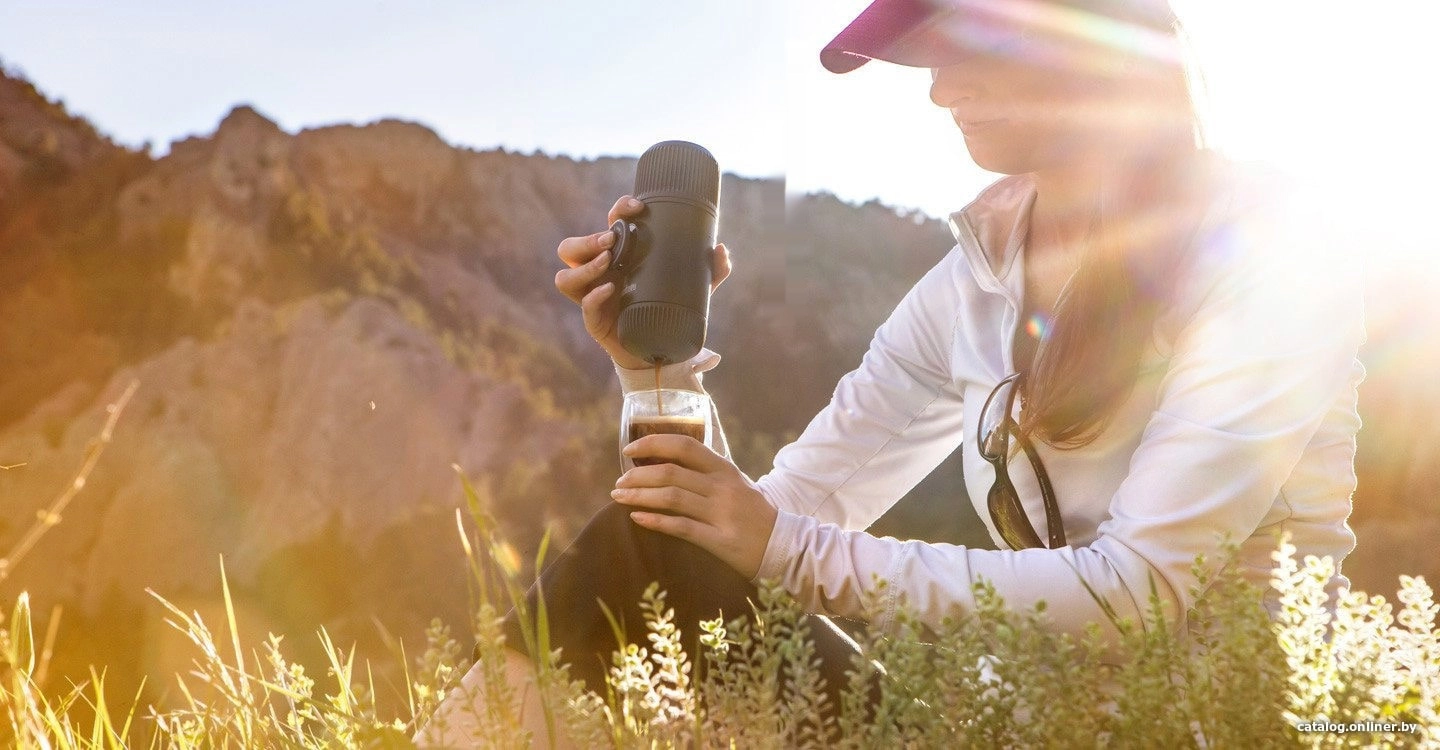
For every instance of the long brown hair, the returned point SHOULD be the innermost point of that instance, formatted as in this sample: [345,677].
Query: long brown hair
[1088,364]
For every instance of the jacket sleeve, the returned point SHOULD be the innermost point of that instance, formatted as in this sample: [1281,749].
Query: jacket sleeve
[889,423]
[1265,355]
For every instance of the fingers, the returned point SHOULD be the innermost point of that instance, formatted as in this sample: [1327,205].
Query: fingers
[588,257]
[624,207]
[719,266]
[575,282]
[683,450]
[576,251]
[689,529]
[667,499]
[593,304]
[665,475]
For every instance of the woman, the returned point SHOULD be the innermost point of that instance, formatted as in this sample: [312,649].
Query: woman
[1136,344]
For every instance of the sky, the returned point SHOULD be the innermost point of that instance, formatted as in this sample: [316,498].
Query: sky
[1337,91]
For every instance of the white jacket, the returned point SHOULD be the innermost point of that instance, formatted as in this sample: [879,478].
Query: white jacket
[1242,423]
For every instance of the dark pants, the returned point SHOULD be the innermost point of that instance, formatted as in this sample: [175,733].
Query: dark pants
[614,560]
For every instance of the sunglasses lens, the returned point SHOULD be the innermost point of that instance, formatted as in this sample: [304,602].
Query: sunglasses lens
[1010,519]
[993,417]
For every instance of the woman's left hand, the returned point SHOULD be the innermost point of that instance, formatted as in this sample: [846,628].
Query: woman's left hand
[700,497]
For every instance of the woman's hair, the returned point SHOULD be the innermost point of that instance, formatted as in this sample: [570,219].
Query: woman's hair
[1089,362]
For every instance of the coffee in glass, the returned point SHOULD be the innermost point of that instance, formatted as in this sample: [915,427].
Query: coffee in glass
[663,410]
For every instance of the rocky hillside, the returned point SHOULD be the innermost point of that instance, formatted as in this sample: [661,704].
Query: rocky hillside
[322,324]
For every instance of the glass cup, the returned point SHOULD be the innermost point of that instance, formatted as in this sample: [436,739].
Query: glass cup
[666,410]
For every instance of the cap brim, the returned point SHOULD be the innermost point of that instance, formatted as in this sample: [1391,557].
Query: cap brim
[890,30]
[933,33]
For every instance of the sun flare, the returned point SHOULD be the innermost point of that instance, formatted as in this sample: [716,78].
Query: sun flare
[1331,93]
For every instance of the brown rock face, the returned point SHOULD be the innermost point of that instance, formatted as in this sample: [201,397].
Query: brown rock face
[39,141]
[322,324]
[305,446]
[311,367]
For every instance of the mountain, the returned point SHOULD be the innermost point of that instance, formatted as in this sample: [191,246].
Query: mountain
[322,324]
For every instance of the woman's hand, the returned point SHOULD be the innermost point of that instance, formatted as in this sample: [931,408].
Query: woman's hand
[587,258]
[699,497]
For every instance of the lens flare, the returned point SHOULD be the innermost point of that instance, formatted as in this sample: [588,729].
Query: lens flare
[1038,327]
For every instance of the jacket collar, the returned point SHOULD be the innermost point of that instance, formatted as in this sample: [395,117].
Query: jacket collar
[998,221]
[992,229]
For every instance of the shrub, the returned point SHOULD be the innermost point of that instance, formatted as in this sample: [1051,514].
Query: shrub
[993,677]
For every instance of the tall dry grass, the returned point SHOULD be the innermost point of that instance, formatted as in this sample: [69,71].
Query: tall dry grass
[1357,672]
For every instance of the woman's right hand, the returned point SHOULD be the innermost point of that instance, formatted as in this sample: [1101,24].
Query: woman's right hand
[587,258]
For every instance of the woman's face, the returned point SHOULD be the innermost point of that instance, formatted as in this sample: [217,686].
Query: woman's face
[1028,100]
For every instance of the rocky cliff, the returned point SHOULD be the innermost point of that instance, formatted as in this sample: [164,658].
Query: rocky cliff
[322,324]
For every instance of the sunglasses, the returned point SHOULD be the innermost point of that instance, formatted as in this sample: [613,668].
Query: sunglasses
[993,435]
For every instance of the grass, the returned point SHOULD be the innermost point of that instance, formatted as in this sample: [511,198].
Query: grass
[1232,676]
[994,677]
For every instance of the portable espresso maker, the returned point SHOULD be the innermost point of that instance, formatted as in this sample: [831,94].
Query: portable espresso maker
[661,261]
